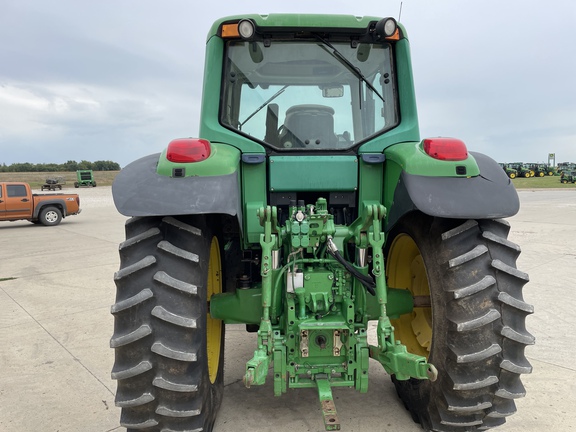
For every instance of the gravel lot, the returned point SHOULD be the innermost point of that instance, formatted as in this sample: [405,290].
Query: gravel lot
[55,328]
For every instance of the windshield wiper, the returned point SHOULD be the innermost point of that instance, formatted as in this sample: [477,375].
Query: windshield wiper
[278,93]
[349,65]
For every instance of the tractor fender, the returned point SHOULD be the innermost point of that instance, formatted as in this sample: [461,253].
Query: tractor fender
[138,190]
[488,195]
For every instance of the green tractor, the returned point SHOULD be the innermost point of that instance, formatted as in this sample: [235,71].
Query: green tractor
[522,169]
[309,208]
[568,177]
[510,172]
[541,170]
[565,166]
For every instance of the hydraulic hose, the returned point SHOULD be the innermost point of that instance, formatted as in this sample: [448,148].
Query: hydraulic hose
[365,280]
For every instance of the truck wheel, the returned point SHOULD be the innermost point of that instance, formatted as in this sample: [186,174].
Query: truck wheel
[168,350]
[76,184]
[93,184]
[474,332]
[50,216]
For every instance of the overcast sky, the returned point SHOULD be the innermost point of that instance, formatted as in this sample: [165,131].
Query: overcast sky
[118,79]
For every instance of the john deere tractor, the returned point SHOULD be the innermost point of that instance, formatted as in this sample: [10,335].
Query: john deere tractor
[308,208]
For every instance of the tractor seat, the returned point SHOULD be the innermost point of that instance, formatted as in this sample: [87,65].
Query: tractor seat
[310,126]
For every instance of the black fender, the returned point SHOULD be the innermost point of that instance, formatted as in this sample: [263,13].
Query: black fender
[59,203]
[490,195]
[139,191]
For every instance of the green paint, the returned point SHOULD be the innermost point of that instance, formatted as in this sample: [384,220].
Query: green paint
[411,158]
[223,160]
[253,198]
[244,306]
[313,173]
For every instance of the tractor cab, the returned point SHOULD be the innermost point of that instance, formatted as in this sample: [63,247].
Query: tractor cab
[295,91]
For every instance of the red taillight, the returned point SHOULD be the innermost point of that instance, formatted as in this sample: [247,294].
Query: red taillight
[186,150]
[448,149]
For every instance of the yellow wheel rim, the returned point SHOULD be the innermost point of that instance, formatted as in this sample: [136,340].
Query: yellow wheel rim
[214,326]
[405,269]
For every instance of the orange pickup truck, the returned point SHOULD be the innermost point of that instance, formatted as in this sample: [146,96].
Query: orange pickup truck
[17,202]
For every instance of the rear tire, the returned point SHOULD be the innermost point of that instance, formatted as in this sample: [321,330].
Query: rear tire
[168,350]
[50,216]
[474,333]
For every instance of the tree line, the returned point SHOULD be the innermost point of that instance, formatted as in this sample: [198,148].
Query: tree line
[67,166]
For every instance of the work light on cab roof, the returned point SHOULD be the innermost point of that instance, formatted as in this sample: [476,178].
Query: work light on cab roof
[386,28]
[246,29]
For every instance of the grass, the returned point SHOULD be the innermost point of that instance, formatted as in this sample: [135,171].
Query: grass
[37,179]
[105,178]
[546,182]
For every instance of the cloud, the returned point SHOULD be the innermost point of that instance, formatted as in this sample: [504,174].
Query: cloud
[119,80]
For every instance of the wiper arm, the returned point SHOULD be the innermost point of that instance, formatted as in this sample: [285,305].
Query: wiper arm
[278,93]
[340,57]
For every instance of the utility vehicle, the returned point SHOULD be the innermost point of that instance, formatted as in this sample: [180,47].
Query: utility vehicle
[308,208]
[17,202]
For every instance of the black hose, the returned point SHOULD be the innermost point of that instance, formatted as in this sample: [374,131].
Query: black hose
[365,280]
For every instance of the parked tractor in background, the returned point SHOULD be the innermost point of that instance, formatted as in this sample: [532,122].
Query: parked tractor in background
[85,178]
[510,172]
[522,169]
[549,170]
[541,170]
[565,166]
[568,177]
[310,207]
